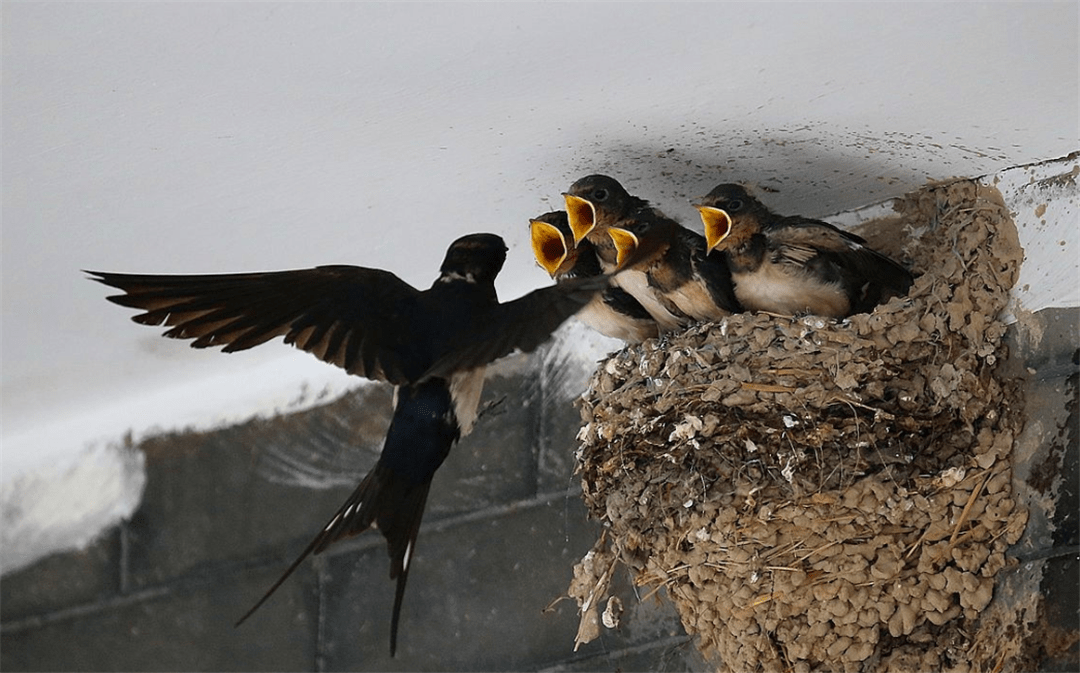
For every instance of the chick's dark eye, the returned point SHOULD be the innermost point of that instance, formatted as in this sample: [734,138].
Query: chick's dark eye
[734,205]
[599,194]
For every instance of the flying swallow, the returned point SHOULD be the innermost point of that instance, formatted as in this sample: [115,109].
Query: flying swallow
[431,344]
[791,264]
[614,312]
[661,263]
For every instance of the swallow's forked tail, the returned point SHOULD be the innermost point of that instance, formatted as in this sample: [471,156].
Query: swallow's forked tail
[394,505]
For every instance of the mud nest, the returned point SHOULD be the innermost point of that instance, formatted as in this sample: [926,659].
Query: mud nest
[817,494]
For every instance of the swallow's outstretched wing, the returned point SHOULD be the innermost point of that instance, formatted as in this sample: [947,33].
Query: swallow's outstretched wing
[350,316]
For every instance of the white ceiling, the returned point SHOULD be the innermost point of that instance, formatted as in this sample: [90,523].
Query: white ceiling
[158,137]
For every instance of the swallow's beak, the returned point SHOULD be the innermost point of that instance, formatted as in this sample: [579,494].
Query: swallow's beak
[626,244]
[717,225]
[549,246]
[582,216]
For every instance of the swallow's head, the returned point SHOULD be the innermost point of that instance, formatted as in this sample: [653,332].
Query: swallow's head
[589,199]
[730,197]
[551,235]
[476,256]
[721,208]
[626,244]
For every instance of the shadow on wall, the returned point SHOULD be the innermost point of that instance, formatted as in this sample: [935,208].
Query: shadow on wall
[808,170]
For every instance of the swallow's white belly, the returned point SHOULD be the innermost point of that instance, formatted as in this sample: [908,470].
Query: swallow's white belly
[775,289]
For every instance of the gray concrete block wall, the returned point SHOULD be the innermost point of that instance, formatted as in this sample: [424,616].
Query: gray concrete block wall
[1046,359]
[225,512]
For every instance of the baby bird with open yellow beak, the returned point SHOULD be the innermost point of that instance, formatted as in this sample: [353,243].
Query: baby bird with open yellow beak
[614,312]
[661,263]
[790,265]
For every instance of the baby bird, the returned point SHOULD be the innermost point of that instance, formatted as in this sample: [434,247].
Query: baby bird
[614,312]
[661,263]
[790,265]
